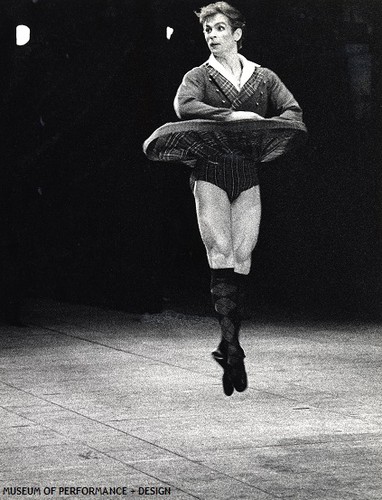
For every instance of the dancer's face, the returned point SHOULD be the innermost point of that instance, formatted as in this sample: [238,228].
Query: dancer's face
[220,37]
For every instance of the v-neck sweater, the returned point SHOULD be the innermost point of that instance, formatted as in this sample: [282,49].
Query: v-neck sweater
[206,93]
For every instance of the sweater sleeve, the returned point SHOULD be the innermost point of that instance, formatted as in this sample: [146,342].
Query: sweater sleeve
[283,102]
[189,100]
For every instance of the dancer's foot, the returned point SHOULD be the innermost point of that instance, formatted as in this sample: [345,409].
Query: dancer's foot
[221,358]
[237,373]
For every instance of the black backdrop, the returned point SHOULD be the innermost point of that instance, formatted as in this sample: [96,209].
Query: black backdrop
[88,219]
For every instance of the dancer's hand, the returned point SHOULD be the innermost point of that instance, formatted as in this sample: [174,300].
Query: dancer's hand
[243,115]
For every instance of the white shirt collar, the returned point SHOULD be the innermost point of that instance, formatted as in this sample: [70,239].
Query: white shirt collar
[248,69]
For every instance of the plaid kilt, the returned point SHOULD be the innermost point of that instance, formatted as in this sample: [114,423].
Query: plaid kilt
[256,141]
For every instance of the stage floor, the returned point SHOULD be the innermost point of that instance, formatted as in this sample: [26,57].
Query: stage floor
[91,398]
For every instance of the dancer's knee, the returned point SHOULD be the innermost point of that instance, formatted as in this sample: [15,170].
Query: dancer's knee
[220,254]
[218,245]
[243,253]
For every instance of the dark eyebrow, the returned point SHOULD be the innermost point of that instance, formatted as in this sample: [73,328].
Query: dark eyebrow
[216,24]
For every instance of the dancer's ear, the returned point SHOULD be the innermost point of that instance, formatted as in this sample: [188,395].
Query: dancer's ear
[237,34]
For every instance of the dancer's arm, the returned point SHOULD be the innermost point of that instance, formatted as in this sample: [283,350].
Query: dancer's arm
[189,100]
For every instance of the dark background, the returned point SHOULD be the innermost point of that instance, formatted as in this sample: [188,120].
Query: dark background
[87,219]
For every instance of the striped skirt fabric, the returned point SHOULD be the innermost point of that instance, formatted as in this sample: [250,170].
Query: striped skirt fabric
[190,140]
